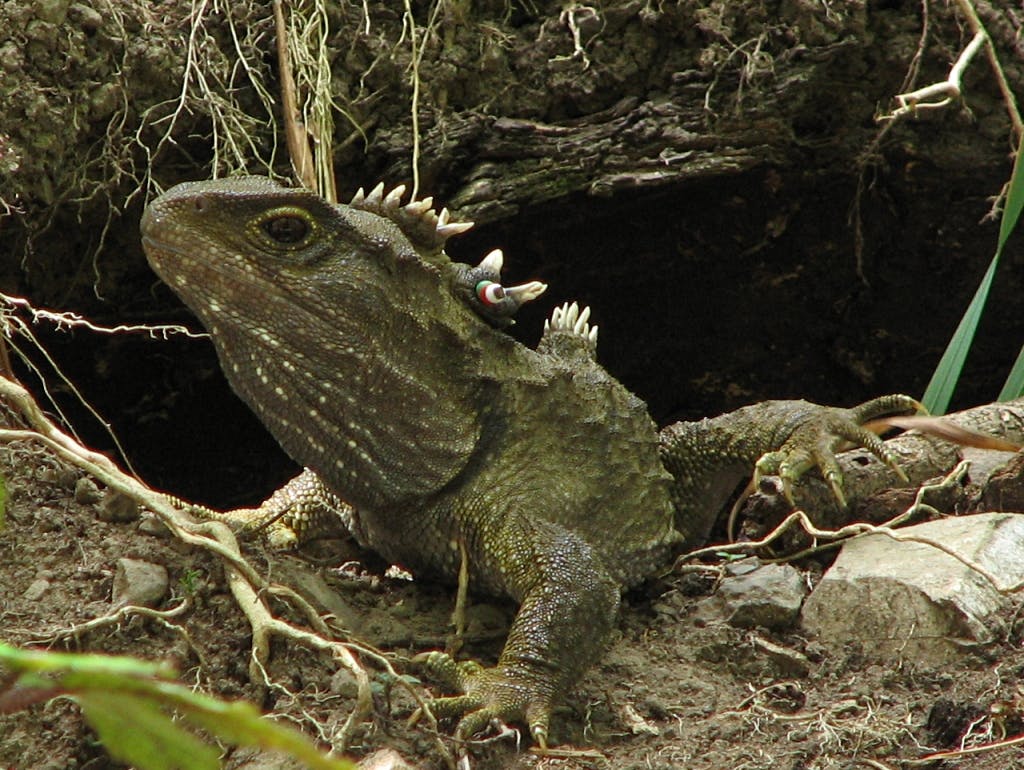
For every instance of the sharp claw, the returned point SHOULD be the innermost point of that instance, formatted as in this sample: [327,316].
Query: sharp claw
[898,470]
[540,736]
[836,484]
[787,490]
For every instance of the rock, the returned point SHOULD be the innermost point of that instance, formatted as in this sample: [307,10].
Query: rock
[86,491]
[151,524]
[116,507]
[344,683]
[315,590]
[910,600]
[36,589]
[52,11]
[385,759]
[88,18]
[755,594]
[139,582]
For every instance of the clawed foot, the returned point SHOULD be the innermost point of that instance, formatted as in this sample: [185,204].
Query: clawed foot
[816,433]
[488,695]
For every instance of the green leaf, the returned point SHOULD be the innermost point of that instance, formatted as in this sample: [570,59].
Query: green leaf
[1014,385]
[129,703]
[1014,199]
[133,729]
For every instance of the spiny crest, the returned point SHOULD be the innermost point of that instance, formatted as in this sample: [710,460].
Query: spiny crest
[570,318]
[426,228]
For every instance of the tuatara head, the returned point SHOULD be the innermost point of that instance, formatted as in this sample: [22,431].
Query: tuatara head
[354,346]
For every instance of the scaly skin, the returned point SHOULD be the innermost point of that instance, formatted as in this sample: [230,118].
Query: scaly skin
[375,362]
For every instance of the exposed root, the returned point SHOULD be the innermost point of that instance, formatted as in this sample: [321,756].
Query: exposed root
[941,94]
[210,86]
[851,726]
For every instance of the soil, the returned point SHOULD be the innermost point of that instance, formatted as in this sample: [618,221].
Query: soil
[676,689]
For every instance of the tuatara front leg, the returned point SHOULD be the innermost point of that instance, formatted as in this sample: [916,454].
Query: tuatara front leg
[567,597]
[567,608]
[301,510]
[708,458]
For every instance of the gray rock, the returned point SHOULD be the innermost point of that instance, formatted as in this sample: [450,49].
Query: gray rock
[37,589]
[139,583]
[314,589]
[116,507]
[386,759]
[756,595]
[344,683]
[150,524]
[912,601]
[86,491]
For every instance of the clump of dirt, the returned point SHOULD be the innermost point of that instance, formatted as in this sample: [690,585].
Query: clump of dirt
[673,690]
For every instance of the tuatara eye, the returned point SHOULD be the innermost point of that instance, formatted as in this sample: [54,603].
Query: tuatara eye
[286,228]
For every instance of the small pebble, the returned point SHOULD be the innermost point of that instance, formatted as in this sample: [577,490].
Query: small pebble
[36,590]
[116,507]
[86,491]
[151,524]
[139,582]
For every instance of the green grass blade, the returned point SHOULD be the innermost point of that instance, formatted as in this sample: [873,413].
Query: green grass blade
[1014,199]
[943,382]
[1014,385]
[940,389]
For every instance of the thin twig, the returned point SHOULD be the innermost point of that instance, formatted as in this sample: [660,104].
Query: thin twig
[939,755]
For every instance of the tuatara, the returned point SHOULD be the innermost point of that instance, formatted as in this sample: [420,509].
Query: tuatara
[380,365]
